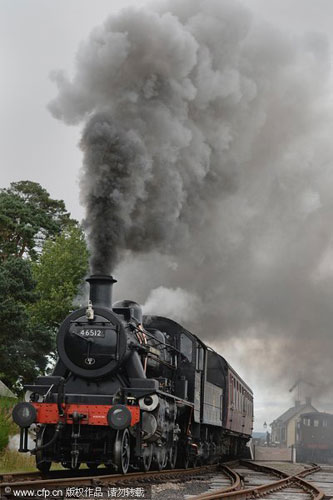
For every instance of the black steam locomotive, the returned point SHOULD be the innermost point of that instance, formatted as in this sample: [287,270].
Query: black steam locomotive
[133,391]
[314,438]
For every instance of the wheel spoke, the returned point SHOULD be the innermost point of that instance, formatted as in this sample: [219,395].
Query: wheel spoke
[122,451]
[125,451]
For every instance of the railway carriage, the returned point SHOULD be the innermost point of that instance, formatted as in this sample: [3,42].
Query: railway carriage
[132,391]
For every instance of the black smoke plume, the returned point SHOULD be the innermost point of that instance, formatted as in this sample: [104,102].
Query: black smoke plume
[208,176]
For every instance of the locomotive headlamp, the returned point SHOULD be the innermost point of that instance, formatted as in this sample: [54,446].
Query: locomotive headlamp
[119,417]
[24,414]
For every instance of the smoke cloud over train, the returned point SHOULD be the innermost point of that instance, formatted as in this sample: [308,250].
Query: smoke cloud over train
[208,170]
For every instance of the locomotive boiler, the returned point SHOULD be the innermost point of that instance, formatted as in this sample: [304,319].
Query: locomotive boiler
[133,391]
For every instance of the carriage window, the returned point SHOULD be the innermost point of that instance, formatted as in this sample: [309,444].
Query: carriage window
[186,346]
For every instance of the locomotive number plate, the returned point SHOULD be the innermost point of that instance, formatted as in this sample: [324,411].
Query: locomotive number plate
[91,332]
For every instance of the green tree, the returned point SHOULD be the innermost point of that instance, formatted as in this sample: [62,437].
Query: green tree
[59,273]
[28,216]
[43,259]
[19,354]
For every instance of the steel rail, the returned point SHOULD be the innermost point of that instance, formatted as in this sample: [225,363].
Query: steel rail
[233,476]
[236,483]
[60,473]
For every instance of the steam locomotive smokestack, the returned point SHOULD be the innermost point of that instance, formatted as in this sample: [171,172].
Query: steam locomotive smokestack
[101,290]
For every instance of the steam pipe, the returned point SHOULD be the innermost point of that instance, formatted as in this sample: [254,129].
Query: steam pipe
[55,436]
[134,366]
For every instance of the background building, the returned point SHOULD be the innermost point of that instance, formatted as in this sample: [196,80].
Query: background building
[284,427]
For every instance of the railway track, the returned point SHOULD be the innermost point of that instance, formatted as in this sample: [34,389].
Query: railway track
[239,480]
[20,482]
[225,477]
[260,481]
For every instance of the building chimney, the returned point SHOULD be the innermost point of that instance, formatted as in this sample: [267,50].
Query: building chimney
[308,401]
[101,290]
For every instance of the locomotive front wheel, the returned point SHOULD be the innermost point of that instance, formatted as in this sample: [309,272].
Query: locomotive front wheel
[42,465]
[122,451]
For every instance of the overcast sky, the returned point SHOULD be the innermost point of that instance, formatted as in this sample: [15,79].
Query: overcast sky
[39,36]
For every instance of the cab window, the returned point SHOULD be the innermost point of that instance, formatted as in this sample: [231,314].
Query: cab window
[200,358]
[186,346]
[215,373]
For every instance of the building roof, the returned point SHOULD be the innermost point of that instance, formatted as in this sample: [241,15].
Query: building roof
[292,412]
[317,414]
[4,391]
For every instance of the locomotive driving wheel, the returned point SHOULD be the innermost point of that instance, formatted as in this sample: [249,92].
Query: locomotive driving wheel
[160,459]
[122,451]
[172,458]
[147,456]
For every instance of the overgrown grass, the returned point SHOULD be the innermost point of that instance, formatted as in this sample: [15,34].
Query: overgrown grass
[7,426]
[13,461]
